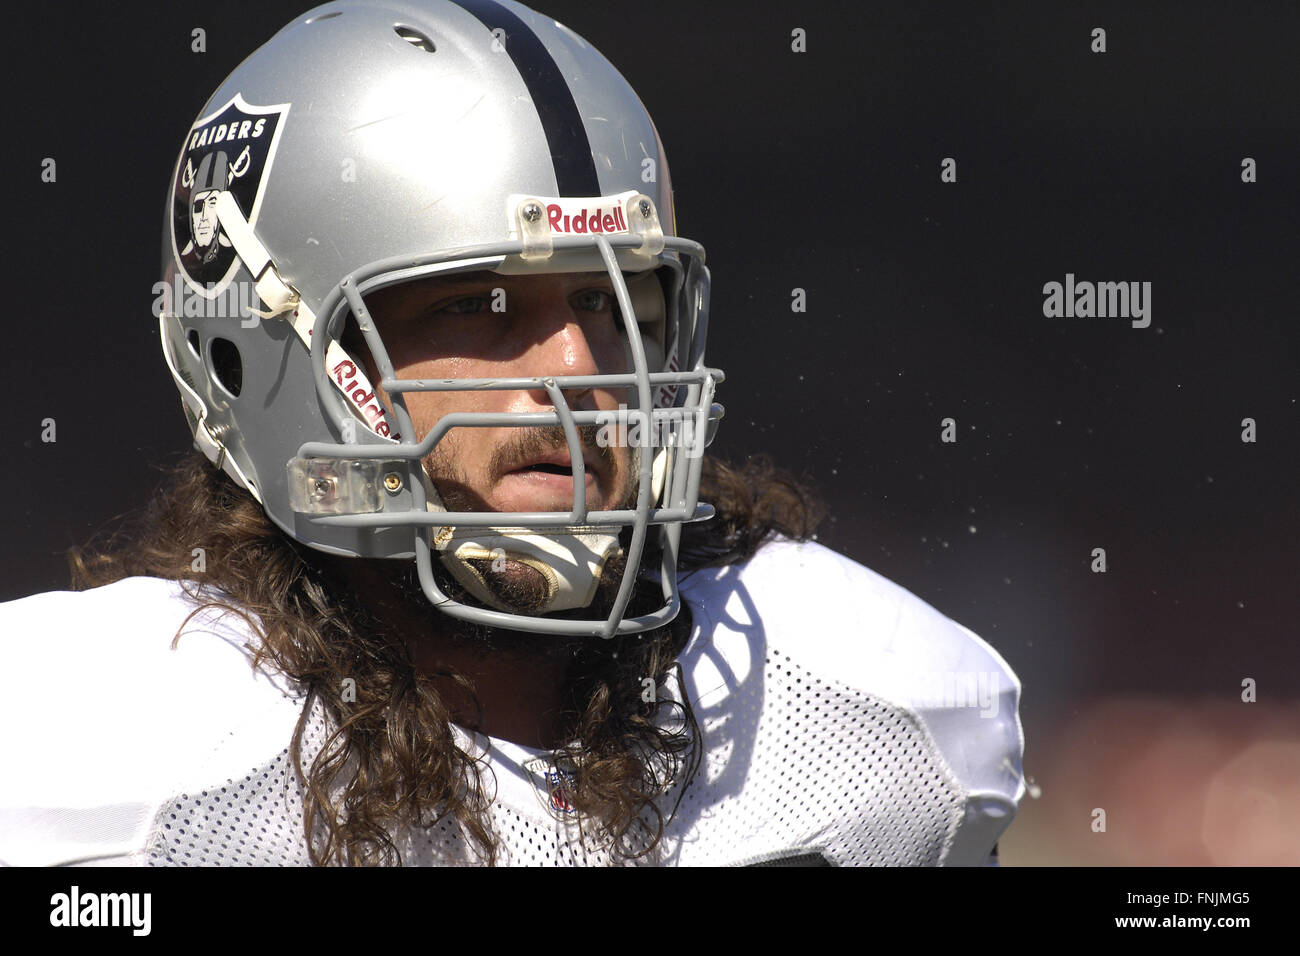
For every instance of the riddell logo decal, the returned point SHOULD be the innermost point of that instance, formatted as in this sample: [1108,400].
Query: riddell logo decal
[572,215]
[582,221]
[345,373]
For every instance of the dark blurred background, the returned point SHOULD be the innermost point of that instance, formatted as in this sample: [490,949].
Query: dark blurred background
[821,171]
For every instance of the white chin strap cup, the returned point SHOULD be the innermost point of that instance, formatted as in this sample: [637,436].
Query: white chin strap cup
[569,564]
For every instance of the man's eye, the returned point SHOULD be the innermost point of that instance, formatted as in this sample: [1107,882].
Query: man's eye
[593,300]
[466,306]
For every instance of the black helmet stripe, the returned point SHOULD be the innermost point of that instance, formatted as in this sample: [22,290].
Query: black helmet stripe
[575,172]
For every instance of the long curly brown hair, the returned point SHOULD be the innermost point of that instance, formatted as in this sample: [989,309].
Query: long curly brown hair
[392,757]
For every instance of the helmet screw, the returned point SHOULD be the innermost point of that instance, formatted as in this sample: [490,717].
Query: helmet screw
[532,212]
[644,206]
[392,481]
[323,486]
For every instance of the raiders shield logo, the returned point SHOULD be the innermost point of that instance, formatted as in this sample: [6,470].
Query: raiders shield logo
[227,151]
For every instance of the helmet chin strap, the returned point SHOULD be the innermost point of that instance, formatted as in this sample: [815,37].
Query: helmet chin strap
[570,564]
[569,560]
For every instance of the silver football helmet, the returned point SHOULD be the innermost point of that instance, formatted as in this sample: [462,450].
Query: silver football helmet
[371,144]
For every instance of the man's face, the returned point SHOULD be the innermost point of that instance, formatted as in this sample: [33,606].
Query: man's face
[203,217]
[548,325]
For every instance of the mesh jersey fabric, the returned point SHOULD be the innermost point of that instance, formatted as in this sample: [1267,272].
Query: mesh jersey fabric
[844,720]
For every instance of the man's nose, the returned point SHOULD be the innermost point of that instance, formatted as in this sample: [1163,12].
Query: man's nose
[563,347]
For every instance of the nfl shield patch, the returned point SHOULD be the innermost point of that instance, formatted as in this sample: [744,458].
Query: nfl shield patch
[558,784]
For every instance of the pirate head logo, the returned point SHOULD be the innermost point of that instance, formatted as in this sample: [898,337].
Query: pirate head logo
[206,238]
[226,152]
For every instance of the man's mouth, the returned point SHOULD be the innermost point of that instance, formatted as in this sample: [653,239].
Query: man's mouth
[544,482]
[555,463]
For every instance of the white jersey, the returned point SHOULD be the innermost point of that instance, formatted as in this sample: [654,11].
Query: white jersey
[844,721]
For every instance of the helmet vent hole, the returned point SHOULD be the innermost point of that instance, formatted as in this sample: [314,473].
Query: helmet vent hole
[193,339]
[227,367]
[415,38]
[325,16]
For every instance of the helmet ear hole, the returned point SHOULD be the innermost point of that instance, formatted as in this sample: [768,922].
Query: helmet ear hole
[193,339]
[226,365]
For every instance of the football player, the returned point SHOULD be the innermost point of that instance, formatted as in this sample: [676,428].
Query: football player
[451,577]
